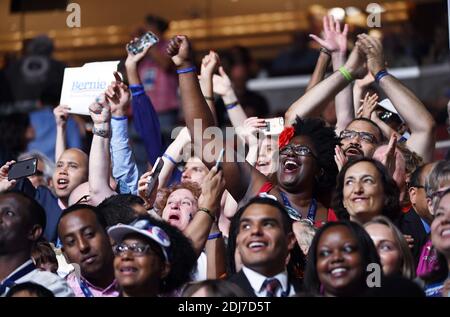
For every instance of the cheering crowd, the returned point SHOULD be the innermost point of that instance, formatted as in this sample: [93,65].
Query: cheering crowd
[356,207]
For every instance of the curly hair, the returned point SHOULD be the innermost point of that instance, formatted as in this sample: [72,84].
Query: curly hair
[119,209]
[161,203]
[366,248]
[325,140]
[391,206]
[181,254]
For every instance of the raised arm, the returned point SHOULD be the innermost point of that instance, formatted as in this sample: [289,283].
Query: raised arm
[5,184]
[209,66]
[335,41]
[412,110]
[61,114]
[209,209]
[238,174]
[124,168]
[145,118]
[320,94]
[359,89]
[99,157]
[321,68]
[223,87]
[173,155]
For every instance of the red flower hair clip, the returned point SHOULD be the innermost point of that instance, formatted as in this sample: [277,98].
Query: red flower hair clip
[286,136]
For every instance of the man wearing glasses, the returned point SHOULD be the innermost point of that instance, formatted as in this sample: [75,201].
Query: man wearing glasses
[416,222]
[360,138]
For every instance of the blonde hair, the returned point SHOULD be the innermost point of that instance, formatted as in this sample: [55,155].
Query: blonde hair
[407,267]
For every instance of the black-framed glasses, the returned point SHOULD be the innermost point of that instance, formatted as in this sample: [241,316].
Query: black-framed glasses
[136,249]
[365,136]
[298,149]
[83,200]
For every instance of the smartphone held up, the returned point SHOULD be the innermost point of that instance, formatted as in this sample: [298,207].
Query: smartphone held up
[142,43]
[23,169]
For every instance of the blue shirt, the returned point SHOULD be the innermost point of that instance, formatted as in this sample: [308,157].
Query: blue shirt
[124,168]
[43,122]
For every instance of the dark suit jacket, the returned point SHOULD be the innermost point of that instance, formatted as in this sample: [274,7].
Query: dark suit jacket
[412,225]
[240,279]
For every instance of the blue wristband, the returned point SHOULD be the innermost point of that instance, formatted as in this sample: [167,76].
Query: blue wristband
[120,118]
[380,75]
[187,70]
[170,158]
[215,236]
[232,105]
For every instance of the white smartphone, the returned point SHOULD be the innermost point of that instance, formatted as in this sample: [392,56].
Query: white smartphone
[273,126]
[151,182]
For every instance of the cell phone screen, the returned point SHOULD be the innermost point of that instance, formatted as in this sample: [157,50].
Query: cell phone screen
[23,169]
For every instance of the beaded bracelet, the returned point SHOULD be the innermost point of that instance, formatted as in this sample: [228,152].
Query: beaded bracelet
[187,70]
[346,74]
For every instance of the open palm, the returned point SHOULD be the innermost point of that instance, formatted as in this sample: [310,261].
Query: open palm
[333,39]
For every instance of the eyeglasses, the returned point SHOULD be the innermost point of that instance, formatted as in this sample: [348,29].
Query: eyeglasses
[298,149]
[439,194]
[136,249]
[365,136]
[83,199]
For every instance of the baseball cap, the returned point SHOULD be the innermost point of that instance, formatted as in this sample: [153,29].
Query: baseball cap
[143,227]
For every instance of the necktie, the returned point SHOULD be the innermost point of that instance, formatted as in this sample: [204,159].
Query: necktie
[271,286]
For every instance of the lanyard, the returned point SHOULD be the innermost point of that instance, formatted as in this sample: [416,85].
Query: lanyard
[11,281]
[293,213]
[85,289]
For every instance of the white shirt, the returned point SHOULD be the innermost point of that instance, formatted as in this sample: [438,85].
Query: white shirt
[52,282]
[257,280]
[201,271]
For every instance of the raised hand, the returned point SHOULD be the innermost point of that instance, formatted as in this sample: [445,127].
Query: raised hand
[149,198]
[369,103]
[210,63]
[373,49]
[339,157]
[389,159]
[118,96]
[356,63]
[5,184]
[222,83]
[180,50]
[61,114]
[135,59]
[333,39]
[100,111]
[213,187]
[247,131]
